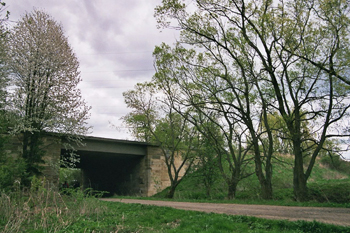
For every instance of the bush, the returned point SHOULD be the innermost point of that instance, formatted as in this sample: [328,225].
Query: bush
[12,170]
[336,163]
[335,192]
[283,194]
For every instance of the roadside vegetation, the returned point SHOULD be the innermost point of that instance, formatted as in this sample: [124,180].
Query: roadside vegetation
[329,186]
[254,80]
[43,210]
[250,100]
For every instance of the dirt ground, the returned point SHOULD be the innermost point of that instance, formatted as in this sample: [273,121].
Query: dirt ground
[336,216]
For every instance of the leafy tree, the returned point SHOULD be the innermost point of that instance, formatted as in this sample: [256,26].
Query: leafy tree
[308,94]
[144,114]
[44,73]
[153,120]
[3,70]
[11,168]
[295,53]
[207,167]
[282,143]
[226,97]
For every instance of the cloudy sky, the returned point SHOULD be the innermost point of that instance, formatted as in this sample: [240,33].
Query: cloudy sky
[113,41]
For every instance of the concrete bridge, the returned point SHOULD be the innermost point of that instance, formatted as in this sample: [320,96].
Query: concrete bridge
[121,167]
[117,166]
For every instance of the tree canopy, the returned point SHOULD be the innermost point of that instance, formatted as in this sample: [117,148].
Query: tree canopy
[44,72]
[153,119]
[44,75]
[250,59]
[3,70]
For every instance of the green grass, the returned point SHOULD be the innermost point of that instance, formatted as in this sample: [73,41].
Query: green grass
[329,186]
[43,210]
[120,217]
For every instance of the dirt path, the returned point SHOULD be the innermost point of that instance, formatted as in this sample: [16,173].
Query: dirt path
[336,216]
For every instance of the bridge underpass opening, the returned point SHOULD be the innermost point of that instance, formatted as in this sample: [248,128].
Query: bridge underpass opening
[115,174]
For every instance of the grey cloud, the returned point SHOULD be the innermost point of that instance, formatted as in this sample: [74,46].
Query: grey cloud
[112,39]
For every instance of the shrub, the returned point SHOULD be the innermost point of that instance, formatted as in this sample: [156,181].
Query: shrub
[335,192]
[336,163]
[12,170]
[283,194]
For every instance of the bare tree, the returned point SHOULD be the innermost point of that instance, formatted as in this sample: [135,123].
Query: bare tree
[44,74]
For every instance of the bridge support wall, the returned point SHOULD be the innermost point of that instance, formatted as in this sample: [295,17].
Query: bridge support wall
[143,175]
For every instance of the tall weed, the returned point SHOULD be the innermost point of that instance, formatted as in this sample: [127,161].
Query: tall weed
[45,209]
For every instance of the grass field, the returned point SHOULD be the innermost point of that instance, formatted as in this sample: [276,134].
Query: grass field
[44,210]
[73,213]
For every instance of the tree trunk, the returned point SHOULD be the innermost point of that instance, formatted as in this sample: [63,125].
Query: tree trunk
[27,158]
[25,145]
[266,190]
[171,192]
[207,190]
[266,187]
[299,180]
[232,187]
[32,154]
[265,181]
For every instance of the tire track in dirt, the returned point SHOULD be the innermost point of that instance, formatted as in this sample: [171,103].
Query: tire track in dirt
[336,216]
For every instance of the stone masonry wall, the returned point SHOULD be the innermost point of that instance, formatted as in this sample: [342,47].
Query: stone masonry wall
[137,182]
[158,178]
[51,171]
[147,178]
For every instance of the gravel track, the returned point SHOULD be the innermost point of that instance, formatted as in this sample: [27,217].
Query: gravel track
[336,216]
